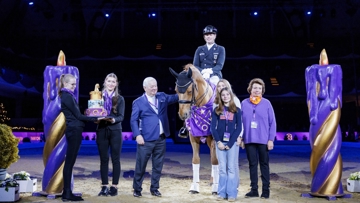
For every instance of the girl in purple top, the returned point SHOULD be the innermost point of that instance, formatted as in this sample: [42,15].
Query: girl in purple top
[259,134]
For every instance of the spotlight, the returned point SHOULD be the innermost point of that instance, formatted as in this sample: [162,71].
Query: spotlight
[254,13]
[107,15]
[308,13]
[152,15]
[31,3]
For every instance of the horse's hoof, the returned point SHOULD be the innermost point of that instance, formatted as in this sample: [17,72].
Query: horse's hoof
[214,193]
[193,192]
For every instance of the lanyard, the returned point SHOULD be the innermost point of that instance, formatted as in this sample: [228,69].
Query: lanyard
[226,115]
[151,104]
[254,111]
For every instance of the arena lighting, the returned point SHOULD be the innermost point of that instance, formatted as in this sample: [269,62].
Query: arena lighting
[158,46]
[274,82]
[152,15]
[253,13]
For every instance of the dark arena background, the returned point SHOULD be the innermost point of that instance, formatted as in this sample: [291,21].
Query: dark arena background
[269,39]
[272,40]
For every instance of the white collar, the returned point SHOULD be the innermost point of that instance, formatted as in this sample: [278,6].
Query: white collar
[209,46]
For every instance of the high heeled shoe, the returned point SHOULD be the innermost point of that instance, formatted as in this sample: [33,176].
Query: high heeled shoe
[104,191]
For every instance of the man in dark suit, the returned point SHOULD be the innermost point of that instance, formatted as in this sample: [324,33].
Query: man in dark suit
[210,58]
[150,127]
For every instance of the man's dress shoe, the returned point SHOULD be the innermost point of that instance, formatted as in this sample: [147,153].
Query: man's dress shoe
[137,194]
[156,193]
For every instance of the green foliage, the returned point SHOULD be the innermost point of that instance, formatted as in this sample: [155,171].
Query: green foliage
[8,146]
[8,182]
[355,176]
[22,175]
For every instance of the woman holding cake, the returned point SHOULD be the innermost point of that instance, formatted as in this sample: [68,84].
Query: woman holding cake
[109,134]
[73,132]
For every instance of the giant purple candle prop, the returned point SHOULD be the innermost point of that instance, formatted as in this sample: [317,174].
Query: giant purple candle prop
[324,100]
[54,126]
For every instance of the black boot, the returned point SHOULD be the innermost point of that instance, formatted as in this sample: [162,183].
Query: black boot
[265,193]
[67,196]
[252,193]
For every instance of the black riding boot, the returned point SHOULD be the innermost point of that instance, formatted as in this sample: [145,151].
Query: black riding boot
[67,196]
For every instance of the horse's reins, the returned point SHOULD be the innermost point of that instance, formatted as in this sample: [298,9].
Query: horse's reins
[193,100]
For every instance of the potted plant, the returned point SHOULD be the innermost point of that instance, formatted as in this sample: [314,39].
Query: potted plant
[9,188]
[353,182]
[8,148]
[26,184]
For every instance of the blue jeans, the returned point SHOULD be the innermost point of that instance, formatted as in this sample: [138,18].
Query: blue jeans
[228,171]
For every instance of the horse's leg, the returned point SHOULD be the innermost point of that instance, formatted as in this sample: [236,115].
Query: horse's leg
[214,165]
[195,144]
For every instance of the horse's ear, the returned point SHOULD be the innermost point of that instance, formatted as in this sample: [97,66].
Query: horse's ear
[189,73]
[175,74]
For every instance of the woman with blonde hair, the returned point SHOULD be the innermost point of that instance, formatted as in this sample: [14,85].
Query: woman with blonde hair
[73,132]
[109,135]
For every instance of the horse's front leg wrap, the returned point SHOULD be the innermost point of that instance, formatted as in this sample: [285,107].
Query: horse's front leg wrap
[215,175]
[195,188]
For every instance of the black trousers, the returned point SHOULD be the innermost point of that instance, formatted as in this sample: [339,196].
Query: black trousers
[109,139]
[258,153]
[156,150]
[73,139]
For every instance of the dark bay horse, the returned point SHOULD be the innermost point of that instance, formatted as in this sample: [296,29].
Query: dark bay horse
[196,97]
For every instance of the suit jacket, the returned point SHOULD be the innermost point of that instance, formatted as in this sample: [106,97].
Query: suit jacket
[213,58]
[118,103]
[145,121]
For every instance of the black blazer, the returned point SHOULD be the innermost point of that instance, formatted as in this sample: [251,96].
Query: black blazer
[71,110]
[117,112]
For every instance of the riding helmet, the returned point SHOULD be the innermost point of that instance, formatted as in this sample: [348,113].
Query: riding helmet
[209,30]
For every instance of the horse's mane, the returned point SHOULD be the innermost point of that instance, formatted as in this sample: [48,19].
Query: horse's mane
[196,75]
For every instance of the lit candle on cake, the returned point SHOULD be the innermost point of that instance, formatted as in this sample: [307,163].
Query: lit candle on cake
[54,125]
[324,100]
[96,104]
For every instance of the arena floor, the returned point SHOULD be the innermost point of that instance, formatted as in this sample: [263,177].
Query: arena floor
[289,168]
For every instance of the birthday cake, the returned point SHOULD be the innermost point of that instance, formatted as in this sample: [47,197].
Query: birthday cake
[96,104]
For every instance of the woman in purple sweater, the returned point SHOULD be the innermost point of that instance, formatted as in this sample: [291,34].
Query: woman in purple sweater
[259,134]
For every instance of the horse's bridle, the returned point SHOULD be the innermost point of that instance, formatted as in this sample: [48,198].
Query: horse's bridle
[193,100]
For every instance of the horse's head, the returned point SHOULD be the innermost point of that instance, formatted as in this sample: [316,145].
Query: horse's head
[184,88]
[191,88]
